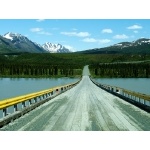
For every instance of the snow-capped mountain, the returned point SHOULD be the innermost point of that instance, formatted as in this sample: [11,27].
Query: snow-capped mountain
[22,43]
[133,43]
[55,48]
[14,42]
[138,46]
[6,46]
[15,36]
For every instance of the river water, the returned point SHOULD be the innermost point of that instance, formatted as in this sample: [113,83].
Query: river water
[12,87]
[141,85]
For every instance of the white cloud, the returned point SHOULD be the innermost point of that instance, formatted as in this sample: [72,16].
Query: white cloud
[120,36]
[36,29]
[78,34]
[44,33]
[70,48]
[40,31]
[107,31]
[40,20]
[135,27]
[83,34]
[93,40]
[89,40]
[103,41]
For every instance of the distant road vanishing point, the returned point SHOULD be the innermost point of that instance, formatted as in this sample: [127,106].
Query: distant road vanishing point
[85,107]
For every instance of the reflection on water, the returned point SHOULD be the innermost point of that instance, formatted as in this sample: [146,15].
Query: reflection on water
[141,85]
[11,87]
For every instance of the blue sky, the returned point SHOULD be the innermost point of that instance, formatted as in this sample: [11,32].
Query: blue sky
[78,34]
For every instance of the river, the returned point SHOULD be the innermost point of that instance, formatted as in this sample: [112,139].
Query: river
[141,85]
[12,87]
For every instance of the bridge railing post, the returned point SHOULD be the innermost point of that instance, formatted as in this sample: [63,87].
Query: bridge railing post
[62,89]
[35,99]
[23,104]
[48,95]
[142,101]
[15,107]
[147,103]
[4,112]
[41,97]
[30,103]
[19,103]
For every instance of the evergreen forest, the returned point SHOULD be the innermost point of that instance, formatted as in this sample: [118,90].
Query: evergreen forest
[71,65]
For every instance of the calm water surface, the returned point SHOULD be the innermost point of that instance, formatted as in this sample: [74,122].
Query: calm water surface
[11,87]
[141,85]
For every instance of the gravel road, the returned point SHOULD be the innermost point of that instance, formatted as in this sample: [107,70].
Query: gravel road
[85,107]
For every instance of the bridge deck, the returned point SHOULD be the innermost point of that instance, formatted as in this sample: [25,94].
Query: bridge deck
[84,107]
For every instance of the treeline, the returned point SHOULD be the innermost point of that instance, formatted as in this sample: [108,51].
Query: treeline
[38,70]
[121,70]
[36,65]
[71,64]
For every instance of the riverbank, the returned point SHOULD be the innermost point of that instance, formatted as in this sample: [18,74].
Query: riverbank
[42,76]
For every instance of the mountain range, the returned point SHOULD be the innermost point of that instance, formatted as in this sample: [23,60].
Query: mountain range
[14,42]
[55,48]
[17,43]
[139,46]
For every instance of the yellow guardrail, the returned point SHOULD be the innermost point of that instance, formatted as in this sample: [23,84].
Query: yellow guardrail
[142,96]
[133,93]
[12,101]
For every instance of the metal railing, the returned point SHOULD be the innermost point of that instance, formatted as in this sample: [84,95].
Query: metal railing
[138,99]
[28,102]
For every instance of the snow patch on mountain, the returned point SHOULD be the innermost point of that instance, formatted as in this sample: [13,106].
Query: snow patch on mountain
[55,48]
[15,37]
[119,44]
[133,43]
[8,36]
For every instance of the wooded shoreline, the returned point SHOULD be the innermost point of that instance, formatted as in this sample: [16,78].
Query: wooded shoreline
[71,65]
